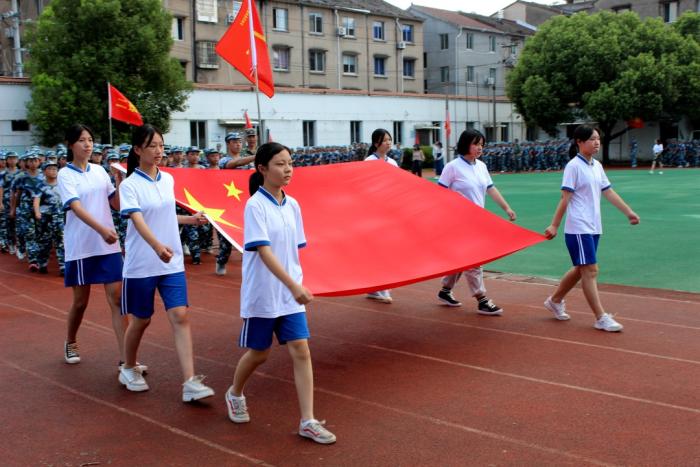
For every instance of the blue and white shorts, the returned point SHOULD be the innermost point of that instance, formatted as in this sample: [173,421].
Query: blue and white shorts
[582,248]
[138,294]
[103,269]
[257,333]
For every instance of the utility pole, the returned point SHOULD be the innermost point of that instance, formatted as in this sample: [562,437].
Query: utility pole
[495,135]
[19,67]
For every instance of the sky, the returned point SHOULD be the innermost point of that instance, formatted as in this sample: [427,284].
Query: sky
[481,7]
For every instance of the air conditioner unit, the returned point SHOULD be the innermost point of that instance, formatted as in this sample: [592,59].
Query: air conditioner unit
[401,45]
[230,18]
[489,81]
[341,31]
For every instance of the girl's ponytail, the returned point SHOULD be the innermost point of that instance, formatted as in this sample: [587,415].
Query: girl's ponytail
[254,182]
[132,161]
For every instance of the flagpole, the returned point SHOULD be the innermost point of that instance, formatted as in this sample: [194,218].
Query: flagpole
[109,112]
[254,58]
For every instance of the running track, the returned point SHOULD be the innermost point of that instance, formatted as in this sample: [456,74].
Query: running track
[411,383]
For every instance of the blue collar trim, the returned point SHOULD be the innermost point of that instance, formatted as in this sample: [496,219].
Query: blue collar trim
[146,176]
[467,160]
[272,198]
[71,166]
[585,160]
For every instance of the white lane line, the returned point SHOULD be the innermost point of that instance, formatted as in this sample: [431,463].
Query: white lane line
[131,413]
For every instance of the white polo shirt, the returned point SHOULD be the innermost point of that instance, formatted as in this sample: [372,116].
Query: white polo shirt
[388,159]
[586,181]
[467,179]
[267,222]
[155,200]
[93,189]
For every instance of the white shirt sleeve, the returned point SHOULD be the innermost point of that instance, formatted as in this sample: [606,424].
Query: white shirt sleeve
[604,182]
[255,232]
[447,176]
[108,183]
[570,179]
[67,189]
[301,236]
[128,199]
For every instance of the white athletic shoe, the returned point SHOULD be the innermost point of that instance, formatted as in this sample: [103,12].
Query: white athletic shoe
[143,369]
[379,296]
[193,389]
[237,408]
[220,269]
[185,250]
[313,429]
[558,309]
[132,379]
[607,323]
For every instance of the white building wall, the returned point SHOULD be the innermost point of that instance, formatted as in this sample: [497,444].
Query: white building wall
[13,106]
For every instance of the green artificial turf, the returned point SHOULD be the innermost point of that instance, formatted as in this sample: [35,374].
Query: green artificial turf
[663,251]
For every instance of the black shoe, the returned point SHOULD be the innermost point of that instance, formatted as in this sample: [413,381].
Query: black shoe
[196,261]
[33,267]
[43,270]
[446,297]
[62,272]
[487,307]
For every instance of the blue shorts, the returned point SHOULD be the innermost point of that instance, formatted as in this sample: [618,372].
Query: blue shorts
[582,248]
[103,269]
[257,332]
[138,294]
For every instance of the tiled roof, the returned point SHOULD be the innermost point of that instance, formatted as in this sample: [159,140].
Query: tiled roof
[454,18]
[504,25]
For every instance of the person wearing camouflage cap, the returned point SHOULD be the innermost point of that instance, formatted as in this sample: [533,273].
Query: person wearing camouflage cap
[48,214]
[24,187]
[234,158]
[251,140]
[7,223]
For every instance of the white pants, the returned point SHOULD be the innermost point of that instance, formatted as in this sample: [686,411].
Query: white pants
[475,281]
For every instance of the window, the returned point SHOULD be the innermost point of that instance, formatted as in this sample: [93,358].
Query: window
[316,23]
[505,131]
[444,42]
[470,125]
[206,55]
[279,19]
[622,8]
[670,11]
[409,68]
[398,132]
[407,33]
[355,131]
[349,64]
[198,133]
[470,74]
[349,25]
[207,11]
[470,40]
[178,30]
[280,58]
[309,132]
[317,60]
[20,125]
[492,76]
[237,4]
[378,30]
[531,133]
[444,74]
[492,43]
[379,66]
[425,60]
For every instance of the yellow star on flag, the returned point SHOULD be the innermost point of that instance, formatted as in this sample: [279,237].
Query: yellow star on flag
[233,191]
[213,213]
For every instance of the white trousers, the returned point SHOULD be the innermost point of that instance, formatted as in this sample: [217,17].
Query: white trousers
[475,281]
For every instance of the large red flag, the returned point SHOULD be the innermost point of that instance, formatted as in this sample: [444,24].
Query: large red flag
[121,108]
[244,47]
[356,244]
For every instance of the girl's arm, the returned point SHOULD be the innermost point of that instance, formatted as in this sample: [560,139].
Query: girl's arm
[114,200]
[197,218]
[620,204]
[551,231]
[108,235]
[300,293]
[165,253]
[501,201]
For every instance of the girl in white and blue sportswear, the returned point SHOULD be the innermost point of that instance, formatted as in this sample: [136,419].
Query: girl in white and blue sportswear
[154,260]
[92,251]
[469,177]
[272,294]
[584,183]
[379,151]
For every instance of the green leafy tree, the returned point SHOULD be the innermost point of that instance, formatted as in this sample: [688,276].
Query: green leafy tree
[606,68]
[77,46]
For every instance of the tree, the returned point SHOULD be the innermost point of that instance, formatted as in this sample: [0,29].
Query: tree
[77,46]
[605,68]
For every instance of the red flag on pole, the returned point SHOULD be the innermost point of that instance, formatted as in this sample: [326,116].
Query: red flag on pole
[409,211]
[121,108]
[247,120]
[244,47]
[448,126]
[269,136]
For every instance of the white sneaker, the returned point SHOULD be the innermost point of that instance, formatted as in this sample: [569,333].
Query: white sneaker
[387,295]
[185,250]
[607,323]
[558,309]
[313,429]
[141,368]
[194,390]
[237,408]
[132,379]
[379,296]
[20,255]
[220,269]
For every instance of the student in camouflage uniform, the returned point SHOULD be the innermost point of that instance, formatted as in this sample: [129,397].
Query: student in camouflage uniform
[7,234]
[3,227]
[194,234]
[251,142]
[119,223]
[25,187]
[48,212]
